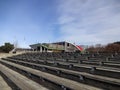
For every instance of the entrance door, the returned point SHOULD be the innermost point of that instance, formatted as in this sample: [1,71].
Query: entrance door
[38,48]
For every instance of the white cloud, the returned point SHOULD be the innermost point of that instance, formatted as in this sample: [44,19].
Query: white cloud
[89,21]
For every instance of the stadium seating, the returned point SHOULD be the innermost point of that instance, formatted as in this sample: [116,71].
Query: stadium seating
[96,70]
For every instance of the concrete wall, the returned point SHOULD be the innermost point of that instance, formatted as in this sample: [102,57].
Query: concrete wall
[70,47]
[56,46]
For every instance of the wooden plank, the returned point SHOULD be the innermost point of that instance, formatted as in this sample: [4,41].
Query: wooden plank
[20,80]
[61,81]
[4,85]
[113,69]
[97,77]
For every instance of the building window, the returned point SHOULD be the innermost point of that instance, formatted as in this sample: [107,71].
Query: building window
[68,44]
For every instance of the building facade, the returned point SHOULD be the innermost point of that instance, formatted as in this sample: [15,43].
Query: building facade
[56,47]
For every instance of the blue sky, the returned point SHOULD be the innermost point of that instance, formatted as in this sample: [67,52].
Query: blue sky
[81,21]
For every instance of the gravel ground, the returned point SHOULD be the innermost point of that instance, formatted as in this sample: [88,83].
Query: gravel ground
[3,55]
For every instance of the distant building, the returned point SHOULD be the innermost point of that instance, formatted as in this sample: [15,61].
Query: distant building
[56,47]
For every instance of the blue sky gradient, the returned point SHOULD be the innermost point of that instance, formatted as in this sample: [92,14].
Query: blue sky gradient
[81,21]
